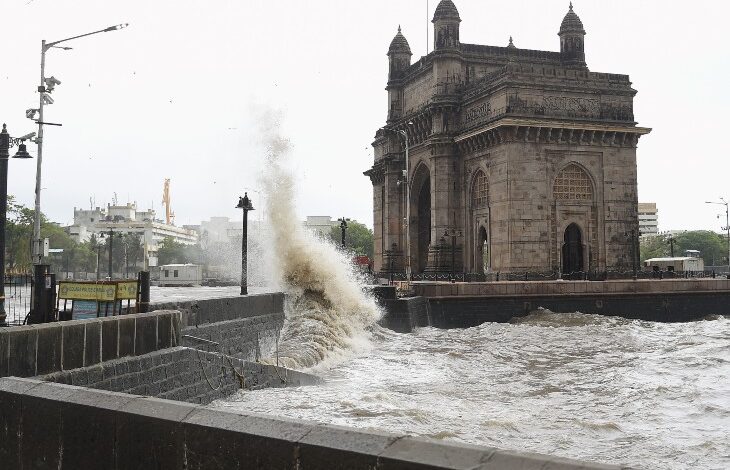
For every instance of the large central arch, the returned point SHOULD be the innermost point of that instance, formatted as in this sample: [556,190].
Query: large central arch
[421,231]
[573,250]
[479,237]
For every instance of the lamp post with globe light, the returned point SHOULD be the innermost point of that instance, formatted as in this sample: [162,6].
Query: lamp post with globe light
[245,204]
[5,143]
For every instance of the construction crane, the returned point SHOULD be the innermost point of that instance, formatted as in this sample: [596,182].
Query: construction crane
[169,215]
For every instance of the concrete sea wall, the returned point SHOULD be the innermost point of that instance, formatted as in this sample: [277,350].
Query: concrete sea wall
[245,326]
[461,305]
[57,426]
[182,374]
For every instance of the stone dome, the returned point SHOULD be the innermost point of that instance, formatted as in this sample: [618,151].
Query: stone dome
[399,44]
[446,9]
[571,23]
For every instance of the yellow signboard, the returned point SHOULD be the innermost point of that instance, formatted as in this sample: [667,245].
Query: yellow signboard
[127,290]
[86,291]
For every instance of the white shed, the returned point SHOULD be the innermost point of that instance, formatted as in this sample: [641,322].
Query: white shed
[181,275]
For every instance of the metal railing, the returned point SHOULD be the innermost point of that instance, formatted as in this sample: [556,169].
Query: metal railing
[546,276]
[18,302]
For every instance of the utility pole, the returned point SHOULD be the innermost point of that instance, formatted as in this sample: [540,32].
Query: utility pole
[245,204]
[343,228]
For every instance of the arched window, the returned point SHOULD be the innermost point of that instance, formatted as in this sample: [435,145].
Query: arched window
[572,183]
[479,190]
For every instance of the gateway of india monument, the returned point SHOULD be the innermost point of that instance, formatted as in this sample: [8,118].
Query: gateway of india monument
[501,159]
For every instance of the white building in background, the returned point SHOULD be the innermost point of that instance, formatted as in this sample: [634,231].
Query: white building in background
[320,224]
[224,230]
[127,219]
[648,219]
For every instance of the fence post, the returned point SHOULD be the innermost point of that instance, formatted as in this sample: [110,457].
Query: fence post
[144,292]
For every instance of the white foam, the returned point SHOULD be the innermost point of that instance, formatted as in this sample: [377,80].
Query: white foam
[327,312]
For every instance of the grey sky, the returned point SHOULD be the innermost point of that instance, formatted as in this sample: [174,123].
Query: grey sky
[174,95]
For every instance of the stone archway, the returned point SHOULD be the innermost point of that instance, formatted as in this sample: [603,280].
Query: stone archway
[573,250]
[482,261]
[423,225]
[478,242]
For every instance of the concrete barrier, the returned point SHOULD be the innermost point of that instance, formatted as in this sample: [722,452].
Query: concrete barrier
[31,350]
[182,374]
[198,312]
[246,325]
[46,425]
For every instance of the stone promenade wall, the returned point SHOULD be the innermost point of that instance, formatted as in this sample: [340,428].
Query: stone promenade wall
[405,314]
[49,425]
[246,327]
[27,351]
[198,312]
[182,374]
[541,288]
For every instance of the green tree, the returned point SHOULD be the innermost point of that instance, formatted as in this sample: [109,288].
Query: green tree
[18,232]
[653,247]
[712,246]
[358,238]
[170,251]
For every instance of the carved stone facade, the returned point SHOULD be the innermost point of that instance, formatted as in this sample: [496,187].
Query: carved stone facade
[518,160]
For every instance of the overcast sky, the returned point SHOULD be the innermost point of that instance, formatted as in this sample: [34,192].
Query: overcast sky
[175,95]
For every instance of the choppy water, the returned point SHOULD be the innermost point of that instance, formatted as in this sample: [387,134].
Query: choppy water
[649,395]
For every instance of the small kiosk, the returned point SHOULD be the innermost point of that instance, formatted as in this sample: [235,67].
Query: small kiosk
[92,299]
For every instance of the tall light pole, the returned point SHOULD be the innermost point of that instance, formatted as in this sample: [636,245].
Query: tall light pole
[406,181]
[726,228]
[245,204]
[343,228]
[45,88]
[111,248]
[5,143]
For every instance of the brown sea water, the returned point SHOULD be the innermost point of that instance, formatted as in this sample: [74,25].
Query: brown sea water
[649,395]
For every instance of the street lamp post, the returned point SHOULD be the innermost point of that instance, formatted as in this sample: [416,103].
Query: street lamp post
[407,219]
[343,228]
[5,143]
[726,228]
[245,204]
[111,234]
[45,88]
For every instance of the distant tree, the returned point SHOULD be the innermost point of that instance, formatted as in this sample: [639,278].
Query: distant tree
[653,247]
[358,238]
[170,251]
[712,246]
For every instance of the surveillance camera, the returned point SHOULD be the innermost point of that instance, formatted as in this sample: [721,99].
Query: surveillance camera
[28,136]
[52,81]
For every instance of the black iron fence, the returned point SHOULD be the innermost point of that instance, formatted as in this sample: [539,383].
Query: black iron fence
[18,288]
[548,276]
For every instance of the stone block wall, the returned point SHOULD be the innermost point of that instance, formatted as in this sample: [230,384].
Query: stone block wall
[246,326]
[102,429]
[405,314]
[249,338]
[512,288]
[182,374]
[31,350]
[198,312]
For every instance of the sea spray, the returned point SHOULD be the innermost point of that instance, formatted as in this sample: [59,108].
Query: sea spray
[327,312]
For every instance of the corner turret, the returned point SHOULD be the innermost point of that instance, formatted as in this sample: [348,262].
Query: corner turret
[572,39]
[446,26]
[399,55]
